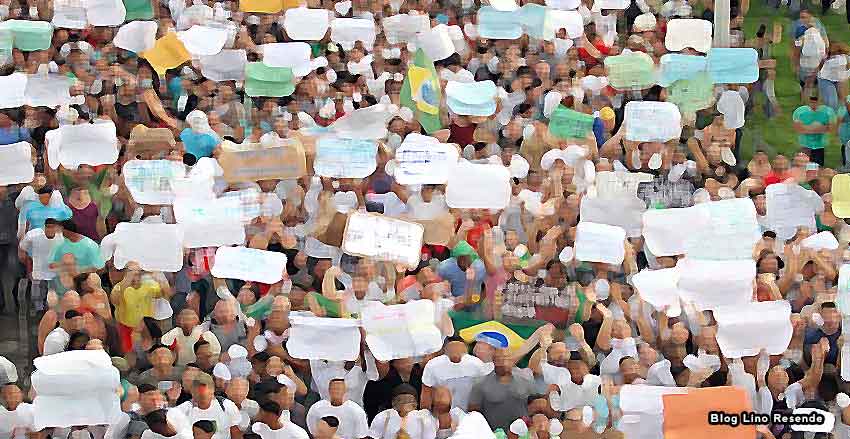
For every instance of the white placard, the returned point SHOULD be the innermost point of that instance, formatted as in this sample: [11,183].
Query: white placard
[85,144]
[688,32]
[649,121]
[436,42]
[625,211]
[306,24]
[136,36]
[663,231]
[600,243]
[293,55]
[203,40]
[134,242]
[424,160]
[820,241]
[401,331]
[570,21]
[726,229]
[402,28]
[710,284]
[75,388]
[744,330]
[611,184]
[364,123]
[213,235]
[347,31]
[478,186]
[48,90]
[790,206]
[249,264]
[227,65]
[345,158]
[659,288]
[383,238]
[16,163]
[323,338]
[13,90]
[150,181]
[611,4]
[235,206]
[105,12]
[70,14]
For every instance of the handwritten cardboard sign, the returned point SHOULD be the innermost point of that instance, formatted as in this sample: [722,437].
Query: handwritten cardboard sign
[286,161]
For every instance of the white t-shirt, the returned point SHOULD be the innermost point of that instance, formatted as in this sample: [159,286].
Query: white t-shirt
[17,423]
[353,423]
[178,421]
[458,377]
[324,371]
[834,69]
[421,210]
[224,414]
[287,431]
[57,341]
[38,246]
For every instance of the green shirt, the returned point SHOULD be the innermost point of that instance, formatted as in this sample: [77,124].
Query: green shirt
[805,115]
[85,251]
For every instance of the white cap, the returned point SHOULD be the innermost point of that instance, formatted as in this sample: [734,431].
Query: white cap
[221,371]
[237,351]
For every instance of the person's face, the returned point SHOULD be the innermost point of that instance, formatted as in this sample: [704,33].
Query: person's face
[150,401]
[629,367]
[455,351]
[555,276]
[777,378]
[578,369]
[224,312]
[483,351]
[336,390]
[203,394]
[680,333]
[12,395]
[831,319]
[237,389]
[360,284]
[464,262]
[780,164]
[502,362]
[52,230]
[188,376]
[161,357]
[540,406]
[204,356]
[44,198]
[321,267]
[77,323]
[187,319]
[769,264]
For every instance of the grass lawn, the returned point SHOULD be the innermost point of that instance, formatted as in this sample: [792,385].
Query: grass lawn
[777,135]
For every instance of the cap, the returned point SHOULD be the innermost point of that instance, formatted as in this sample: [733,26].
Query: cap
[606,113]
[237,351]
[493,338]
[120,364]
[221,371]
[203,379]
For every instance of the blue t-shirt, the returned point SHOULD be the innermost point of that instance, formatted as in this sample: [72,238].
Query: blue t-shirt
[14,134]
[450,271]
[85,251]
[37,213]
[199,144]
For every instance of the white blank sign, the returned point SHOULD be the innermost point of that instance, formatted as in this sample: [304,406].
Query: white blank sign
[383,238]
[16,163]
[600,243]
[478,186]
[648,121]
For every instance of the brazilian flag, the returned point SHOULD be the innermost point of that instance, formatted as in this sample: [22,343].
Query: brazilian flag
[421,92]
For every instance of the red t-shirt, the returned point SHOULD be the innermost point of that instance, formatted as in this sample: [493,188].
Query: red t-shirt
[773,178]
[589,60]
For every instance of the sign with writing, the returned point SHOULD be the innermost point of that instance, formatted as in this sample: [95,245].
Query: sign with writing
[150,181]
[281,162]
[345,158]
[424,160]
[383,238]
[401,331]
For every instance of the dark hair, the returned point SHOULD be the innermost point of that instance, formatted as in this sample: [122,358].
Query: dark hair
[335,380]
[52,222]
[157,346]
[404,389]
[828,305]
[46,189]
[69,226]
[189,159]
[769,234]
[193,364]
[205,426]
[145,388]
[156,417]
[198,345]
[535,396]
[454,338]
[76,336]
[71,313]
[271,407]
[261,356]
[331,421]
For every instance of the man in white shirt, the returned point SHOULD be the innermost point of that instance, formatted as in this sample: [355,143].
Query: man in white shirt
[456,370]
[35,249]
[205,407]
[57,340]
[353,423]
[270,426]
[167,424]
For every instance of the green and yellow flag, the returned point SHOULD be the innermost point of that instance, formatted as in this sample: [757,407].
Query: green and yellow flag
[421,92]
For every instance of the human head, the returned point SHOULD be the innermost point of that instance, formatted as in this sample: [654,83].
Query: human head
[78,341]
[73,321]
[203,389]
[203,429]
[831,317]
[160,356]
[269,413]
[326,428]
[158,423]
[44,194]
[502,362]
[455,348]
[52,228]
[150,398]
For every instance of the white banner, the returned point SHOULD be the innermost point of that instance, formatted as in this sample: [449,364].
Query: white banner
[478,186]
[323,338]
[663,231]
[75,388]
[383,238]
[150,181]
[401,331]
[249,264]
[649,121]
[726,229]
[688,32]
[790,206]
[600,243]
[16,162]
[710,284]
[424,160]
[659,288]
[155,247]
[85,144]
[625,211]
[744,330]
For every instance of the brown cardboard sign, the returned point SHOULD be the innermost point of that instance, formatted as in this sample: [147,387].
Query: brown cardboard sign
[254,164]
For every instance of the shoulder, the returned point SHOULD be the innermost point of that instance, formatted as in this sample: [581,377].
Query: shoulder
[799,111]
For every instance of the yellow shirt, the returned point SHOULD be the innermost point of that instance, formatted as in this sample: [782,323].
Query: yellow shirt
[137,303]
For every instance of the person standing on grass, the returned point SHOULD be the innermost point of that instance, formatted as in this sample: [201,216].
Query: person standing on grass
[812,122]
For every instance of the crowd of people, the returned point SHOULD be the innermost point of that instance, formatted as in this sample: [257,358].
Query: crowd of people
[585,229]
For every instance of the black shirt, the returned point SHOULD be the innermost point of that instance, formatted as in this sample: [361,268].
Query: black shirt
[378,394]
